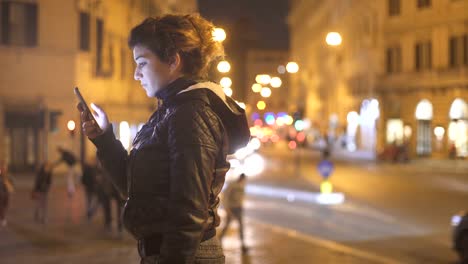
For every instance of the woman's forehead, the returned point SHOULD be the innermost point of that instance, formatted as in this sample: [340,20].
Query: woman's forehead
[140,51]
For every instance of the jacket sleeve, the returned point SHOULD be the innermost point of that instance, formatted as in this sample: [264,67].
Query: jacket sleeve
[192,152]
[113,157]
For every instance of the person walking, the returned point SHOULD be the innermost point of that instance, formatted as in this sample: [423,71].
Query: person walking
[234,203]
[6,189]
[40,192]
[70,160]
[177,164]
[89,181]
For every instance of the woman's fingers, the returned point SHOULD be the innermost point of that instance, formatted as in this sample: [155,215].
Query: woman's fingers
[100,116]
[91,129]
[98,110]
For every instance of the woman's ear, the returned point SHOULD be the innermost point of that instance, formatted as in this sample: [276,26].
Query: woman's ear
[176,64]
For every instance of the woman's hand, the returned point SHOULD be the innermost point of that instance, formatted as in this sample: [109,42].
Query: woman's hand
[91,128]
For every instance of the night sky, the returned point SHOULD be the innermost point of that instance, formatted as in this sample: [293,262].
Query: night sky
[268,18]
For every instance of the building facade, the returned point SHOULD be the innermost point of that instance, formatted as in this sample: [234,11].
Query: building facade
[398,77]
[424,83]
[336,83]
[47,47]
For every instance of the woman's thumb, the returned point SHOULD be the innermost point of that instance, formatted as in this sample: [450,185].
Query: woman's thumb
[97,109]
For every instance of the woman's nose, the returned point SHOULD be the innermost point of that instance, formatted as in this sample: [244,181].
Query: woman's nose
[137,75]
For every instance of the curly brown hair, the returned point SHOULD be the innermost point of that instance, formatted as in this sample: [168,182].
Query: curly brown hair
[188,35]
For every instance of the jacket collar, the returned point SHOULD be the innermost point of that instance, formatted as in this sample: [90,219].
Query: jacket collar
[171,90]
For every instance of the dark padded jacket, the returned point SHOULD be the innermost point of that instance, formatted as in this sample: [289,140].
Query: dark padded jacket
[177,166]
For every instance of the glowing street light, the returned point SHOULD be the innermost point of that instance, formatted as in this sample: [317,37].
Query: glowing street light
[261,105]
[265,92]
[71,125]
[241,104]
[219,34]
[292,67]
[281,69]
[256,87]
[333,39]
[275,82]
[224,66]
[288,120]
[227,91]
[263,79]
[225,82]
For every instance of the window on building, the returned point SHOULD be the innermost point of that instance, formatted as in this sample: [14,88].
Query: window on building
[393,7]
[424,3]
[458,51]
[85,21]
[393,59]
[423,56]
[18,23]
[104,62]
[99,44]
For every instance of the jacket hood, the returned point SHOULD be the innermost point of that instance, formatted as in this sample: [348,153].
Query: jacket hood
[231,114]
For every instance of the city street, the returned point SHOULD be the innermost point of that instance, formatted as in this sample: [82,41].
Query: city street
[398,211]
[68,238]
[283,225]
[346,125]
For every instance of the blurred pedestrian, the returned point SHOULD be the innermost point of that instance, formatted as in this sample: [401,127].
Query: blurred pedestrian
[40,192]
[89,181]
[108,193]
[6,189]
[70,160]
[234,205]
[177,164]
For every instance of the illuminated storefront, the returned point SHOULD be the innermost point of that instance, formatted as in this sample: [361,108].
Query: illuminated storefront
[369,114]
[458,127]
[424,115]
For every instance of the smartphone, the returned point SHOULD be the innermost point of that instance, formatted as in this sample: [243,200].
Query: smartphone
[84,104]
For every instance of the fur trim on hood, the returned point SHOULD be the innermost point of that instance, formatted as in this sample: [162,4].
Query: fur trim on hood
[231,114]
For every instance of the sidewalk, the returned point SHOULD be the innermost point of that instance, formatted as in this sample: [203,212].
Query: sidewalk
[67,238]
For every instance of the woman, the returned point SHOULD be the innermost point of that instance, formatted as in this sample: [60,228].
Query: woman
[177,164]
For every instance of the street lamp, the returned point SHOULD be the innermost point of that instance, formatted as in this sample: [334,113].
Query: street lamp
[265,92]
[292,67]
[275,82]
[227,91]
[219,34]
[256,87]
[333,39]
[224,66]
[71,127]
[261,105]
[241,104]
[263,79]
[225,82]
[281,69]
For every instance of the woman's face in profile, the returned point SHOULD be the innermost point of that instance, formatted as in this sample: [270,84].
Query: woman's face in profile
[152,73]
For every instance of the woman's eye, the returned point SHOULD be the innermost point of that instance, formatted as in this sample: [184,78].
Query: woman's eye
[141,64]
